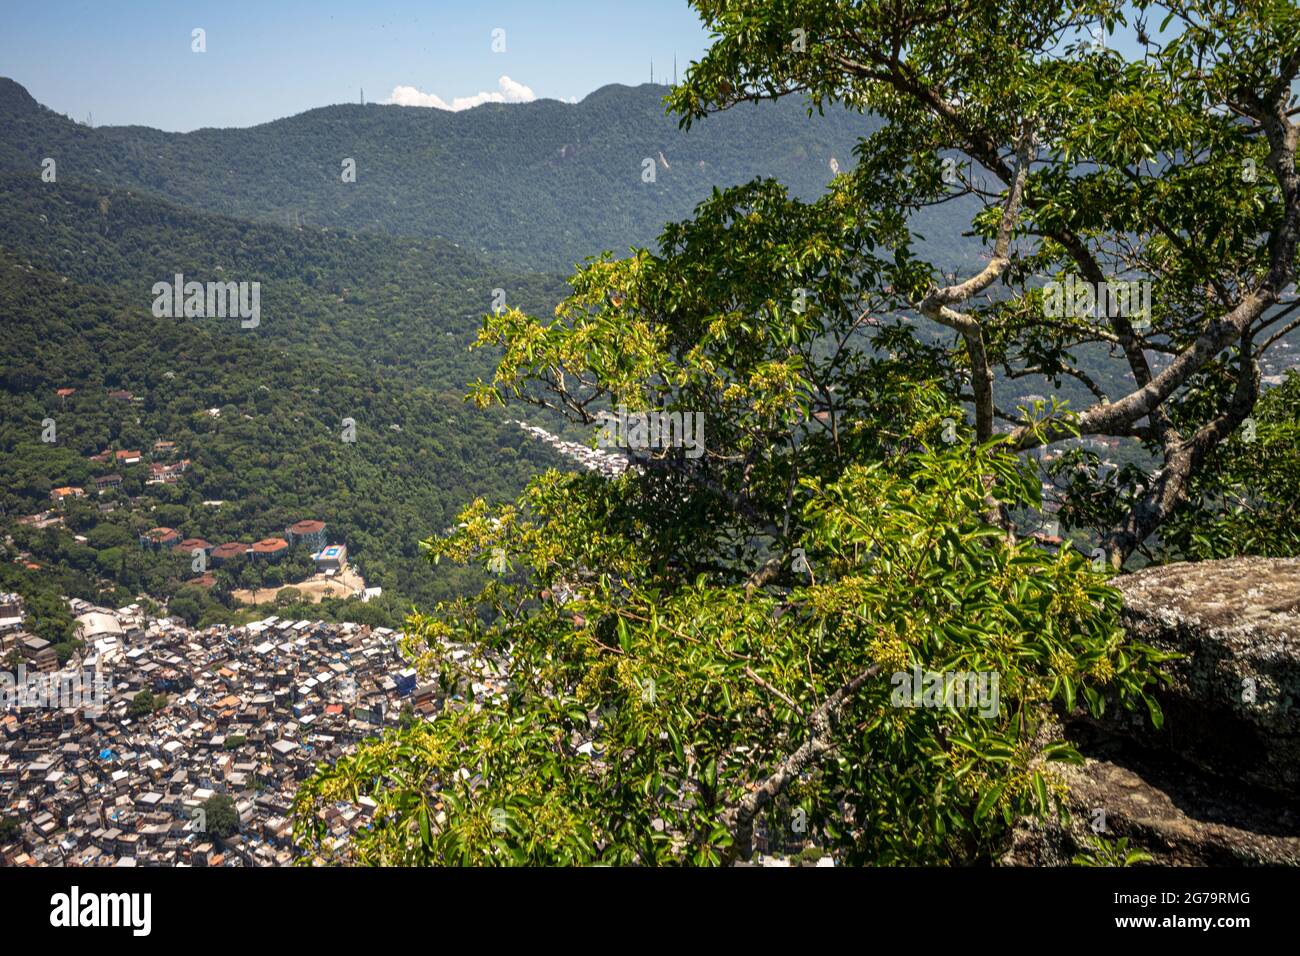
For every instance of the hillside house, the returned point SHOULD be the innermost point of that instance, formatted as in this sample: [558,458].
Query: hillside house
[106,482]
[229,552]
[270,549]
[60,495]
[331,559]
[159,538]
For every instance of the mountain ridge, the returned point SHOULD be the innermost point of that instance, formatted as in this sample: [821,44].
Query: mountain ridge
[539,185]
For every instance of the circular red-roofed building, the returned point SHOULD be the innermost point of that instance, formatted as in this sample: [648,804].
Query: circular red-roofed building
[229,551]
[270,549]
[190,545]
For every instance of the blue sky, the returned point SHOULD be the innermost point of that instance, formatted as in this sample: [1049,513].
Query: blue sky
[130,61]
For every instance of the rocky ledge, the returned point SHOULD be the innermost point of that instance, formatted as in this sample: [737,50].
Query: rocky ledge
[1233,707]
[1220,782]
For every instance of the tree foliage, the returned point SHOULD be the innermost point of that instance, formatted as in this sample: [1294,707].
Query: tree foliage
[221,816]
[1176,168]
[708,650]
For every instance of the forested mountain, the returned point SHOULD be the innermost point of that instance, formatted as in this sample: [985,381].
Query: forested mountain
[395,302]
[372,328]
[370,293]
[542,184]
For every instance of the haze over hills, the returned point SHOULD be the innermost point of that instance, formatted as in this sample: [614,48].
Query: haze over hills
[541,185]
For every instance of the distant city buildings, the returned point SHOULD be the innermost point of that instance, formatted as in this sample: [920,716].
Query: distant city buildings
[249,712]
[609,464]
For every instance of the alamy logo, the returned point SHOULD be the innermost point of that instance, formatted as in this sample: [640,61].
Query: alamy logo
[61,690]
[213,300]
[973,689]
[643,431]
[1079,299]
[75,909]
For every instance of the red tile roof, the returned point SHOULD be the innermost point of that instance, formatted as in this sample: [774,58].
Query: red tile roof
[231,549]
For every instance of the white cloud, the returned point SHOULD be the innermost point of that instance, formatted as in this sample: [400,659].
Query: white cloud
[508,91]
[410,96]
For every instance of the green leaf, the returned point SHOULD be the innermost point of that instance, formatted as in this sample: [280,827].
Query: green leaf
[1153,707]
[989,800]
[1040,791]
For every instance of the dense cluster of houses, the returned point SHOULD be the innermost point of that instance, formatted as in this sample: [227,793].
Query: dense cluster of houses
[309,532]
[609,464]
[249,712]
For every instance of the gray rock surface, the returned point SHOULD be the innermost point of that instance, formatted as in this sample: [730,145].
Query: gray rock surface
[1219,784]
[1234,705]
[1179,816]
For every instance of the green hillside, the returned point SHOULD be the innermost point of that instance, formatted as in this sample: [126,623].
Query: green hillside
[394,302]
[541,184]
[370,328]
